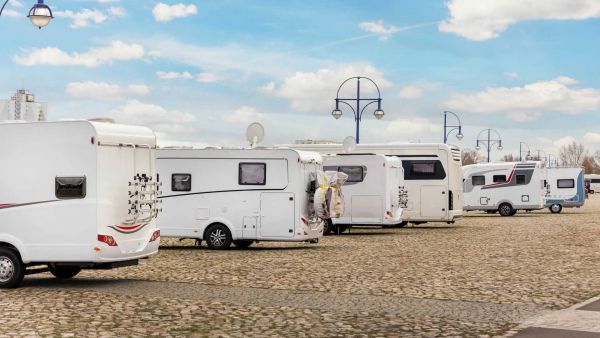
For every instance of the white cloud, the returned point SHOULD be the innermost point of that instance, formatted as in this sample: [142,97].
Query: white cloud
[107,1]
[116,51]
[411,126]
[481,20]
[174,75]
[244,115]
[378,28]
[207,77]
[268,88]
[83,18]
[592,137]
[410,92]
[11,13]
[117,11]
[15,3]
[153,116]
[104,91]
[511,75]
[528,102]
[164,13]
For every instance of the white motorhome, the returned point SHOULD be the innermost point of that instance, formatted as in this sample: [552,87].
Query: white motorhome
[75,195]
[373,192]
[504,187]
[566,188]
[593,182]
[239,196]
[432,177]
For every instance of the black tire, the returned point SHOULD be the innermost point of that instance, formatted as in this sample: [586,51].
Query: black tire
[243,244]
[328,227]
[218,237]
[555,208]
[506,209]
[64,272]
[12,270]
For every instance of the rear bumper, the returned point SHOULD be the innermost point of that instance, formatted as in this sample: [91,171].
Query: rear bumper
[101,266]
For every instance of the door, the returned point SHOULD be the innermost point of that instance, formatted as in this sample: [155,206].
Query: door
[434,201]
[277,214]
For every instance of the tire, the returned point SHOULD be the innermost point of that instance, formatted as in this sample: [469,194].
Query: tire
[555,208]
[12,270]
[328,227]
[218,237]
[243,244]
[506,209]
[64,272]
[342,228]
[403,224]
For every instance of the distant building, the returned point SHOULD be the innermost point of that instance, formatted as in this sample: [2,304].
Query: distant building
[315,142]
[22,106]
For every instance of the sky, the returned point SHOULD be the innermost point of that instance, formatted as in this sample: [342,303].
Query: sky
[198,72]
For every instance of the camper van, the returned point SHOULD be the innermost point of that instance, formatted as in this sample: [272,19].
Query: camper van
[432,177]
[239,196]
[75,195]
[594,182]
[504,187]
[565,188]
[373,192]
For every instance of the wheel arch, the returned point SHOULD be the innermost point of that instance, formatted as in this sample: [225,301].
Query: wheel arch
[219,221]
[13,243]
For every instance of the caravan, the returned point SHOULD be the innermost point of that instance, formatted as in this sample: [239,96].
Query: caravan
[565,188]
[593,182]
[75,195]
[373,193]
[239,196]
[504,187]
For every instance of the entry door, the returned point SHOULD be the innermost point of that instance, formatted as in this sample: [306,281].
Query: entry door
[434,201]
[277,214]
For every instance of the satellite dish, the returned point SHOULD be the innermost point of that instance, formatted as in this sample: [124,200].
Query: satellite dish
[255,133]
[349,144]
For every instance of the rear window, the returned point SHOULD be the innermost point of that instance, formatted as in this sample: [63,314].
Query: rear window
[478,180]
[423,170]
[70,187]
[252,174]
[499,178]
[181,182]
[565,183]
[355,173]
[521,179]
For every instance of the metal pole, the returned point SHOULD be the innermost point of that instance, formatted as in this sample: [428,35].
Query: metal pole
[445,124]
[2,9]
[520,153]
[488,145]
[358,110]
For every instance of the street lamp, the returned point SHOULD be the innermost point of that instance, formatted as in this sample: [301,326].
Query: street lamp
[489,142]
[521,151]
[539,157]
[447,132]
[39,14]
[357,110]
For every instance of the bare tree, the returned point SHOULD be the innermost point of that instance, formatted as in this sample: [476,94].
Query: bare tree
[591,165]
[508,158]
[470,156]
[572,154]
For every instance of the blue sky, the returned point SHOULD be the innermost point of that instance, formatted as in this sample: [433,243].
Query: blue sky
[199,71]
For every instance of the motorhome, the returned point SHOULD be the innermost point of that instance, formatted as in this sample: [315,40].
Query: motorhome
[504,187]
[593,180]
[373,192]
[432,177]
[75,195]
[239,196]
[566,188]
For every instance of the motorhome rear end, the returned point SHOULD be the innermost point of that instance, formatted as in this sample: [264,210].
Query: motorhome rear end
[75,195]
[239,196]
[566,188]
[594,182]
[504,187]
[373,192]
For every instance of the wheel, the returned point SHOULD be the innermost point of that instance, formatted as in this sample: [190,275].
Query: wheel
[403,224]
[506,209]
[328,227]
[555,208]
[218,237]
[243,244]
[12,270]
[64,272]
[342,228]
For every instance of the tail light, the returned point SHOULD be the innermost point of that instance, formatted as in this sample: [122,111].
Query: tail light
[155,236]
[107,239]
[388,214]
[304,220]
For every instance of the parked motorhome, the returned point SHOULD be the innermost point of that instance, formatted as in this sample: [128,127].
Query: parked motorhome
[75,195]
[432,177]
[504,187]
[566,188]
[240,196]
[373,192]
[594,182]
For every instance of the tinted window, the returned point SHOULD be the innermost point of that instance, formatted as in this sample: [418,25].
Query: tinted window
[355,174]
[423,170]
[521,179]
[499,178]
[252,173]
[69,187]
[565,184]
[595,180]
[478,180]
[181,182]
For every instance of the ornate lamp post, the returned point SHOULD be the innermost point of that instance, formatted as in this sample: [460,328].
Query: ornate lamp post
[521,151]
[489,142]
[458,127]
[39,14]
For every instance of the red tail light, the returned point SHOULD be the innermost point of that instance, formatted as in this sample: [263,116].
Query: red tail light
[388,214]
[107,239]
[155,236]
[304,220]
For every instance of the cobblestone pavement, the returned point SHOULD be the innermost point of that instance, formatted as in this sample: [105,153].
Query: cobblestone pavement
[480,277]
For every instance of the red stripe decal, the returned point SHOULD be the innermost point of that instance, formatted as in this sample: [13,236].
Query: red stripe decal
[123,227]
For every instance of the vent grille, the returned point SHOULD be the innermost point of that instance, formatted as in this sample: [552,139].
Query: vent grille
[456,154]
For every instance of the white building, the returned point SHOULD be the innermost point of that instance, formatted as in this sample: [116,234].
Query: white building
[22,106]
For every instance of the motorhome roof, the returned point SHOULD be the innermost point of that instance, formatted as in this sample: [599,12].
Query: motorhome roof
[367,146]
[304,156]
[498,165]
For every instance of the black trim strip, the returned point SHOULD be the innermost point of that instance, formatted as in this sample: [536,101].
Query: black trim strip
[26,204]
[436,156]
[219,191]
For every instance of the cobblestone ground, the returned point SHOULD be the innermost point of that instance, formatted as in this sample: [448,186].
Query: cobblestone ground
[477,278]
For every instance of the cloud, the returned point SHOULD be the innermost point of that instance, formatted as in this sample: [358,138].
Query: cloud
[11,13]
[481,20]
[116,51]
[164,13]
[592,137]
[244,115]
[411,126]
[174,75]
[268,88]
[117,11]
[207,77]
[511,75]
[83,18]
[107,1]
[410,92]
[153,116]
[530,101]
[378,28]
[104,91]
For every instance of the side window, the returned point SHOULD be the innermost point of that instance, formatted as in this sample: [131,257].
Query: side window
[521,179]
[355,174]
[252,174]
[181,182]
[565,184]
[69,187]
[478,180]
[423,170]
[499,178]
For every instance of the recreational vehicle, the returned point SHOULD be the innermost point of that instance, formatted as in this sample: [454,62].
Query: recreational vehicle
[75,195]
[566,188]
[593,180]
[373,192]
[239,196]
[504,187]
[432,177]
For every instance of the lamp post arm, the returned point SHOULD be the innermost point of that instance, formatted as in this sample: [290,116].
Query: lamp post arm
[2,9]
[349,105]
[363,108]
